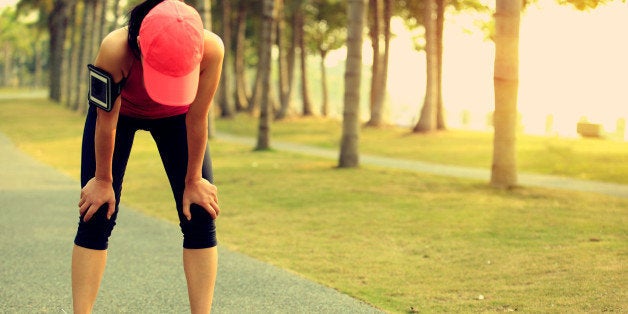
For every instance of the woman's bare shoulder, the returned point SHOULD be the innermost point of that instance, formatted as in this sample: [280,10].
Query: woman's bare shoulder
[214,46]
[114,54]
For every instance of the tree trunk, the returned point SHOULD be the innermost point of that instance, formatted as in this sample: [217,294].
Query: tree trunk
[116,15]
[38,55]
[242,98]
[7,75]
[506,80]
[291,54]
[282,62]
[427,121]
[440,22]
[97,23]
[57,25]
[375,14]
[70,82]
[256,93]
[307,104]
[80,102]
[102,20]
[204,8]
[263,138]
[378,90]
[349,152]
[224,89]
[325,93]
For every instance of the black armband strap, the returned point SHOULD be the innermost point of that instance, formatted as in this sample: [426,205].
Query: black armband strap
[103,91]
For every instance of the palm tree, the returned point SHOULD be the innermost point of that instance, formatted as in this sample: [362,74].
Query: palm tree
[57,25]
[326,32]
[429,112]
[380,13]
[225,96]
[349,154]
[71,62]
[85,54]
[506,80]
[299,24]
[241,88]
[55,13]
[282,62]
[268,18]
[204,8]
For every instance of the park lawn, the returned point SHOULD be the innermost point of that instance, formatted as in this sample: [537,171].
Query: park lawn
[395,239]
[582,158]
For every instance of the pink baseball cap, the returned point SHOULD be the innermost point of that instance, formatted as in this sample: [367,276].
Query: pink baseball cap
[171,40]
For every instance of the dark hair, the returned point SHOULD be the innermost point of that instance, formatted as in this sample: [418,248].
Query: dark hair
[136,16]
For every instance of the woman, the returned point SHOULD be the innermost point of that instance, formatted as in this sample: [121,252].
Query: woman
[167,68]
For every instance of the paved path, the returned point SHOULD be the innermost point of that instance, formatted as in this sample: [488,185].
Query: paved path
[525,179]
[144,274]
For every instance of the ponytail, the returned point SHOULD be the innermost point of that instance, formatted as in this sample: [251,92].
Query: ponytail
[136,16]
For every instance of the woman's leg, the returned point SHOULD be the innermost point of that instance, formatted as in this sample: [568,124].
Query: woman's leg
[88,267]
[200,266]
[89,255]
[200,256]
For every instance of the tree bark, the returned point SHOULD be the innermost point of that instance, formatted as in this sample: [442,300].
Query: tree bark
[102,20]
[282,63]
[375,15]
[440,23]
[378,92]
[39,56]
[72,60]
[427,121]
[291,54]
[349,144]
[324,90]
[80,103]
[8,64]
[225,95]
[242,97]
[506,80]
[263,138]
[116,15]
[305,94]
[57,25]
[204,8]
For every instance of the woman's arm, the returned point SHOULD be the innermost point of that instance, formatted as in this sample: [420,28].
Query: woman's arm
[198,190]
[98,191]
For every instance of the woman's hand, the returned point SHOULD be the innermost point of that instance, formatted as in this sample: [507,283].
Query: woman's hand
[96,193]
[202,193]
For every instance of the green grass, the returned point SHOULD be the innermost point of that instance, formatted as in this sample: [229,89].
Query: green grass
[391,238]
[589,159]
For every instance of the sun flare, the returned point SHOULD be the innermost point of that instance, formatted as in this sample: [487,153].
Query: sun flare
[573,67]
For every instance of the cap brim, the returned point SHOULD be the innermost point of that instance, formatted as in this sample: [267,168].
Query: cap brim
[168,90]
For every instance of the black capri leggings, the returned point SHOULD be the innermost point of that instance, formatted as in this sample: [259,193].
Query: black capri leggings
[170,135]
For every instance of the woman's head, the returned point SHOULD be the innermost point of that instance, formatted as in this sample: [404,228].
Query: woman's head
[170,43]
[136,16]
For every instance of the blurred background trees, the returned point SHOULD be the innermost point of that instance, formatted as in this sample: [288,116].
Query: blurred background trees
[47,43]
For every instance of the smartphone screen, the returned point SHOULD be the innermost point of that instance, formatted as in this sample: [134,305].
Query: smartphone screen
[98,90]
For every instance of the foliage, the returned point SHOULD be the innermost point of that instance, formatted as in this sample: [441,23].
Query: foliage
[22,39]
[42,9]
[411,12]
[583,4]
[326,29]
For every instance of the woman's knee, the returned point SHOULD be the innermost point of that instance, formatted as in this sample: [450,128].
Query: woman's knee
[94,234]
[200,231]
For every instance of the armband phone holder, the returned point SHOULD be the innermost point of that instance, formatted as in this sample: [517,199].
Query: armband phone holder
[103,91]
